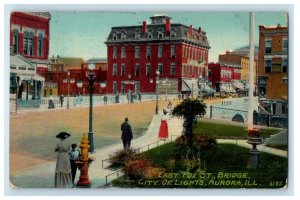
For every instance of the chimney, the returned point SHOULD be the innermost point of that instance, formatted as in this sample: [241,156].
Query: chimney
[168,27]
[144,28]
[199,30]
[191,29]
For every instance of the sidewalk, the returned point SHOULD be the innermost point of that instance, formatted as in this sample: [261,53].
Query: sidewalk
[43,175]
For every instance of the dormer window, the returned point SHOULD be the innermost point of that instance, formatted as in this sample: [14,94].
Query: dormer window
[160,34]
[150,34]
[123,35]
[137,34]
[173,33]
[114,36]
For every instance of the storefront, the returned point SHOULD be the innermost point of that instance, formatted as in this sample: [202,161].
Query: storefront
[24,82]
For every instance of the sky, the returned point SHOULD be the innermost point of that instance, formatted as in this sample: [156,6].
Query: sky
[82,34]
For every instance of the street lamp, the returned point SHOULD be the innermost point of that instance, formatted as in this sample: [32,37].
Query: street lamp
[91,76]
[157,81]
[68,101]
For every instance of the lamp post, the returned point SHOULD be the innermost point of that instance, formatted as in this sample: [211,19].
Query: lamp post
[91,76]
[156,88]
[68,101]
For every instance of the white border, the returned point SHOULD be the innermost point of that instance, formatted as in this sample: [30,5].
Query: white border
[129,192]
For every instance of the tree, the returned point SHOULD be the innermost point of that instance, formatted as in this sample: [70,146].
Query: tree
[189,109]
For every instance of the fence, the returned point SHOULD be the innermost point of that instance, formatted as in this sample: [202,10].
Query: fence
[85,100]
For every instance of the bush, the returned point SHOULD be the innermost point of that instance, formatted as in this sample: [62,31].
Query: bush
[136,169]
[200,144]
[121,157]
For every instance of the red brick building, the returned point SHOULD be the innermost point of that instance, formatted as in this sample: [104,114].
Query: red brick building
[273,68]
[223,76]
[135,53]
[58,81]
[29,37]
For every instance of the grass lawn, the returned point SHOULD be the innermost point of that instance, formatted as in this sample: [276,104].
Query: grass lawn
[227,131]
[225,166]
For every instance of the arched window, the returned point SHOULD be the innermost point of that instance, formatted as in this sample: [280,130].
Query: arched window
[173,33]
[160,34]
[150,34]
[114,36]
[137,34]
[123,35]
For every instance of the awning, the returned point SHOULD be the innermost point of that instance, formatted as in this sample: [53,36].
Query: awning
[189,85]
[38,78]
[206,89]
[238,85]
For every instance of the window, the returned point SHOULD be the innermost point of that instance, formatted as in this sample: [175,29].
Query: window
[28,43]
[114,36]
[268,46]
[148,52]
[137,34]
[123,88]
[284,45]
[137,87]
[115,68]
[173,33]
[115,52]
[160,69]
[123,35]
[123,52]
[15,44]
[285,80]
[284,66]
[148,69]
[137,69]
[160,51]
[268,66]
[114,87]
[150,34]
[123,69]
[173,69]
[40,45]
[160,34]
[173,51]
[137,52]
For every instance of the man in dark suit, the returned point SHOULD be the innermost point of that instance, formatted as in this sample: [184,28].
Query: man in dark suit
[126,134]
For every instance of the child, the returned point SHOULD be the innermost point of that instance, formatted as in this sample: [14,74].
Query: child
[74,155]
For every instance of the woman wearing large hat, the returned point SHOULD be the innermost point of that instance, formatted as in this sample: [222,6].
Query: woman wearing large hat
[63,175]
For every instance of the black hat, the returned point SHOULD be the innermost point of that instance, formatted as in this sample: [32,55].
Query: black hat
[126,119]
[63,135]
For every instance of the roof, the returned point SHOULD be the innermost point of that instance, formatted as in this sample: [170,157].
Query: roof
[18,60]
[179,32]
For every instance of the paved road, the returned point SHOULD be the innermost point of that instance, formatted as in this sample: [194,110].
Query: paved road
[43,176]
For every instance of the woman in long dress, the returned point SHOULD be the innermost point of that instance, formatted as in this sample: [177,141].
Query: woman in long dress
[63,173]
[163,129]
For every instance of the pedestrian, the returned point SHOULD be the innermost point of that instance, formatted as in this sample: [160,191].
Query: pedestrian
[63,174]
[131,97]
[105,99]
[61,99]
[117,98]
[126,134]
[140,97]
[163,133]
[74,155]
[169,105]
[128,97]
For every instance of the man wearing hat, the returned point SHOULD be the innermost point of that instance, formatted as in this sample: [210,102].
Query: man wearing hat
[126,134]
